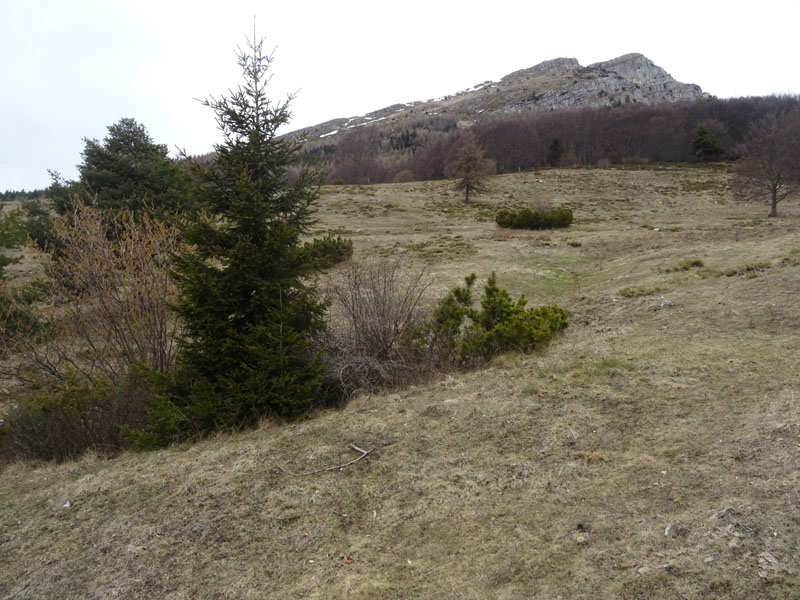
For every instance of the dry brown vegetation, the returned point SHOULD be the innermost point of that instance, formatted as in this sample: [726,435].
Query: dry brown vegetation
[108,294]
[649,452]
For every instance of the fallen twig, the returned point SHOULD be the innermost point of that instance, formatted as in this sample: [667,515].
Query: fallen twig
[333,468]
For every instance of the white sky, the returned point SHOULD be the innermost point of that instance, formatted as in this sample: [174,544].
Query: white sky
[71,68]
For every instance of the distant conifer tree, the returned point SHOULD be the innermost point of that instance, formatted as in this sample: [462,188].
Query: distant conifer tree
[126,170]
[706,145]
[470,166]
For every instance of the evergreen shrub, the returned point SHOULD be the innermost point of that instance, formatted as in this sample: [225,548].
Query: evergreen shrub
[328,251]
[525,218]
[63,421]
[462,334]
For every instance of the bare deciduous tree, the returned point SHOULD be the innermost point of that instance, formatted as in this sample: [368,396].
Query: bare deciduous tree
[770,158]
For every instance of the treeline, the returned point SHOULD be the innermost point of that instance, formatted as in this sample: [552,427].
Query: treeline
[523,141]
[20,195]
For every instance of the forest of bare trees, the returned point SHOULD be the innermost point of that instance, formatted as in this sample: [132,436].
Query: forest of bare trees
[523,141]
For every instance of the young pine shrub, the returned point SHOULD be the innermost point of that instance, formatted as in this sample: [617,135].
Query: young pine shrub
[328,251]
[461,334]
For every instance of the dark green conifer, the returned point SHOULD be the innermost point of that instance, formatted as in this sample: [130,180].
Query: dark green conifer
[706,145]
[126,170]
[248,311]
[12,234]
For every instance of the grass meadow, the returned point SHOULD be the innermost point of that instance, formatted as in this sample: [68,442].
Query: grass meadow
[651,451]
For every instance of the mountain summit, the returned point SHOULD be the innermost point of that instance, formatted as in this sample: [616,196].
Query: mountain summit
[553,84]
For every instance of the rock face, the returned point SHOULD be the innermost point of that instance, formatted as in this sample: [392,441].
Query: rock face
[563,83]
[553,84]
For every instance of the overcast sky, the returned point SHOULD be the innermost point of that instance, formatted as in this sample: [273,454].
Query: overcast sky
[71,68]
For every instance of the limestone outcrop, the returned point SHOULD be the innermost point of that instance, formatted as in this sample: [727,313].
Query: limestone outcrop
[550,85]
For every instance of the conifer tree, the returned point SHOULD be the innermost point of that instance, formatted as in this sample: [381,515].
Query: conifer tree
[248,311]
[127,170]
[706,145]
[470,166]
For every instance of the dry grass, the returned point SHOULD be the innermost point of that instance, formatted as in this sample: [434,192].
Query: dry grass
[650,452]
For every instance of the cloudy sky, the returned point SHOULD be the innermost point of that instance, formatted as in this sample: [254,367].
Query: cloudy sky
[71,68]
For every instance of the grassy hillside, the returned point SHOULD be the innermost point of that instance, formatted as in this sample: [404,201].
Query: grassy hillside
[650,452]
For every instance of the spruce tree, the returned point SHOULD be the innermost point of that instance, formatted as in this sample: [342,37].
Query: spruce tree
[247,308]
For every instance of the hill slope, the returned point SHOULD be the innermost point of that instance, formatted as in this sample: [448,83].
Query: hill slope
[553,84]
[650,452]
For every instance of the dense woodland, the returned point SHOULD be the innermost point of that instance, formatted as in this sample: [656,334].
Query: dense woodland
[20,195]
[522,141]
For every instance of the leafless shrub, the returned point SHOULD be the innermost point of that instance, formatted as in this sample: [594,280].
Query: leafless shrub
[542,205]
[375,310]
[109,286]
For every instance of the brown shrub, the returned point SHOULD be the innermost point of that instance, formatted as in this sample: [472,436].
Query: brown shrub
[404,176]
[375,310]
[109,286]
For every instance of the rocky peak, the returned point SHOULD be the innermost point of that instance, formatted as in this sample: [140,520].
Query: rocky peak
[634,67]
[549,85]
[556,65]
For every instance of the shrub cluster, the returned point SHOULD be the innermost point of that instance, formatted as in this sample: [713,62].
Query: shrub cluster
[72,367]
[383,336]
[526,218]
[383,333]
